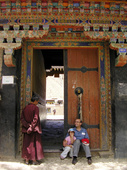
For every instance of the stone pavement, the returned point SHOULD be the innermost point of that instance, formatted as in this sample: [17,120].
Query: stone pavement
[54,163]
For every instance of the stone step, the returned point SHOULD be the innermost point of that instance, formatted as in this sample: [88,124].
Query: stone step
[56,153]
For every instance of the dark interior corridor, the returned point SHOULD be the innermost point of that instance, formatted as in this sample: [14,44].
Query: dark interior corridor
[52,57]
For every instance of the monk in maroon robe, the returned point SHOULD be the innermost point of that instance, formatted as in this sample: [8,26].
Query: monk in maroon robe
[31,128]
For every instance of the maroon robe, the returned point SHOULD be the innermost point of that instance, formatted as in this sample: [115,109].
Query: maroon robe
[32,144]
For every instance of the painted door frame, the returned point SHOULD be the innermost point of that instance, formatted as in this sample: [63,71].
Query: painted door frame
[104,78]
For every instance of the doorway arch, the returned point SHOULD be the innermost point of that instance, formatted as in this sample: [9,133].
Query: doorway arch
[104,80]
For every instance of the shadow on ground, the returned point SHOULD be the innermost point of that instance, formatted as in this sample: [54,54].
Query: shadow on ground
[53,134]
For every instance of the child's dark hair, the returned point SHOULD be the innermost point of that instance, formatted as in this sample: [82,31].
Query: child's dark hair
[34,98]
[71,131]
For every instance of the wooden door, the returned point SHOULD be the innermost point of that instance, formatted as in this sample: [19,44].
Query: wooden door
[82,72]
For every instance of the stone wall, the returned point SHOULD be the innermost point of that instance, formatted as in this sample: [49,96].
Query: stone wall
[119,107]
[18,56]
[9,111]
[39,81]
[39,74]
[1,60]
[121,112]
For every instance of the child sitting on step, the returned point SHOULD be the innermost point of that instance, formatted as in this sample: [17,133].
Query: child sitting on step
[68,144]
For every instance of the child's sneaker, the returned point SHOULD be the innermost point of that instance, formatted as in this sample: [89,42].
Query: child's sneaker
[61,157]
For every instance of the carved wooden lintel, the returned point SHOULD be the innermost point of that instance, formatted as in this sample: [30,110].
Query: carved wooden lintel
[121,60]
[9,60]
[10,45]
[116,46]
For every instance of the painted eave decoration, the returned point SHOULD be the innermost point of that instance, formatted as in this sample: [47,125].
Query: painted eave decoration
[62,19]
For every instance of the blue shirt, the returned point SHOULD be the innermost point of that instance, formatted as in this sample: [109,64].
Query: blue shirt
[82,134]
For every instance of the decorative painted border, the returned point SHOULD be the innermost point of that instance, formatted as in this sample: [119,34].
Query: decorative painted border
[12,12]
[104,75]
[108,93]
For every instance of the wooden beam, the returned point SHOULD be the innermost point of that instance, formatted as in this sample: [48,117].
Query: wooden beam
[122,1]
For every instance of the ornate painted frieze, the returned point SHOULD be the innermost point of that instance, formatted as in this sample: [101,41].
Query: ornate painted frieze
[71,19]
[72,6]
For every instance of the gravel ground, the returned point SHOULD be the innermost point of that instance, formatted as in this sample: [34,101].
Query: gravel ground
[55,163]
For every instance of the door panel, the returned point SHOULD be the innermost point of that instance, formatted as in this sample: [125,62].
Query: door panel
[89,81]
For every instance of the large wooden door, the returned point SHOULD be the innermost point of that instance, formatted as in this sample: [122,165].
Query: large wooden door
[88,80]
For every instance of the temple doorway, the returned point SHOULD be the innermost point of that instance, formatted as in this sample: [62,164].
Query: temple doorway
[79,67]
[51,91]
[86,65]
